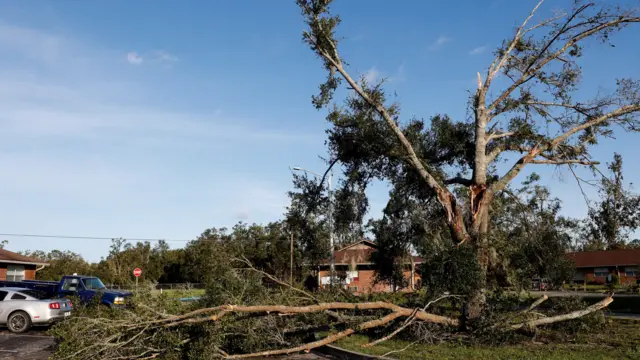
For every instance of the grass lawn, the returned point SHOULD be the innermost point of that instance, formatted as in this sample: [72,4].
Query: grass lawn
[621,340]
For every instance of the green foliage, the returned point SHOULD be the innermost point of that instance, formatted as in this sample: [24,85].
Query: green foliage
[619,341]
[267,247]
[60,263]
[398,232]
[614,282]
[307,218]
[100,332]
[453,270]
[531,237]
[534,113]
[586,324]
[81,335]
[610,223]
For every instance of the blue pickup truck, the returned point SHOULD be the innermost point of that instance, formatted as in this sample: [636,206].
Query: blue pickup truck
[85,287]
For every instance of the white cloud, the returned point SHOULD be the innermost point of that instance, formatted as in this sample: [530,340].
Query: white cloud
[477,51]
[35,109]
[31,43]
[371,76]
[78,132]
[399,75]
[155,56]
[357,37]
[440,41]
[134,59]
[74,175]
[164,56]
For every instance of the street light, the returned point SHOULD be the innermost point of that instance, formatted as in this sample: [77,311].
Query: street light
[330,220]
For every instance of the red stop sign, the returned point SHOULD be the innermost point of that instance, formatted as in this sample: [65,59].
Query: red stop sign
[137,272]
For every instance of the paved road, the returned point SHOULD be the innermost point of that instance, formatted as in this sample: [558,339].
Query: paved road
[36,346]
[25,347]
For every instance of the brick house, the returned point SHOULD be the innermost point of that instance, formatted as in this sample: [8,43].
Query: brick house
[356,270]
[594,267]
[15,267]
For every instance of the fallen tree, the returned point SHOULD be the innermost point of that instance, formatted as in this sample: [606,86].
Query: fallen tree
[147,330]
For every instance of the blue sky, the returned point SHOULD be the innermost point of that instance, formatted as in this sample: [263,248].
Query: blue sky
[158,119]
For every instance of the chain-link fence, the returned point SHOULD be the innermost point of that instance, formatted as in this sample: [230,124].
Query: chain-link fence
[178,286]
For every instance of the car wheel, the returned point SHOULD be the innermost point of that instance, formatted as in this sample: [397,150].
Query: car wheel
[19,322]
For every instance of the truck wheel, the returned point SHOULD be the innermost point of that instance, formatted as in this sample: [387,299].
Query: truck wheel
[19,322]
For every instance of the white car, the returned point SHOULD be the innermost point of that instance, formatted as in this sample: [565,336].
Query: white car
[22,308]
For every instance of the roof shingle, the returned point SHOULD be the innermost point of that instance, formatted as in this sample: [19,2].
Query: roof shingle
[361,256]
[628,257]
[8,256]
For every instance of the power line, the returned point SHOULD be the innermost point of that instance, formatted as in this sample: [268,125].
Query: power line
[89,237]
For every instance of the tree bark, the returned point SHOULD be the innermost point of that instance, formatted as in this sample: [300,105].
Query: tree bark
[480,199]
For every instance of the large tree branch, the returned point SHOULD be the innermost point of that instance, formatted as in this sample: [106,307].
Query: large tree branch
[328,340]
[539,149]
[572,315]
[382,111]
[499,135]
[540,61]
[220,311]
[628,109]
[410,320]
[499,149]
[515,170]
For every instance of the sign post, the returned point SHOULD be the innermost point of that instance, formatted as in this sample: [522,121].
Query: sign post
[137,272]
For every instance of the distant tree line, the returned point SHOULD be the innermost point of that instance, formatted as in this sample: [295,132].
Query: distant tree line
[267,247]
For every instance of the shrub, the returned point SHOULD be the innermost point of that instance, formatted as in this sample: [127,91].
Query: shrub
[615,281]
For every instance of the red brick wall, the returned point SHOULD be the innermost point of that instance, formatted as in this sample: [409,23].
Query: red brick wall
[589,276]
[30,272]
[3,272]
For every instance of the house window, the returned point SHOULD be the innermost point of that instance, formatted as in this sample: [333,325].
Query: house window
[630,272]
[601,272]
[15,272]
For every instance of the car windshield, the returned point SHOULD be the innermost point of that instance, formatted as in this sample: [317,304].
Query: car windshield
[36,294]
[93,284]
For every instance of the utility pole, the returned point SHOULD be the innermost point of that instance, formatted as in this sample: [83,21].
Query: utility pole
[332,265]
[291,268]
